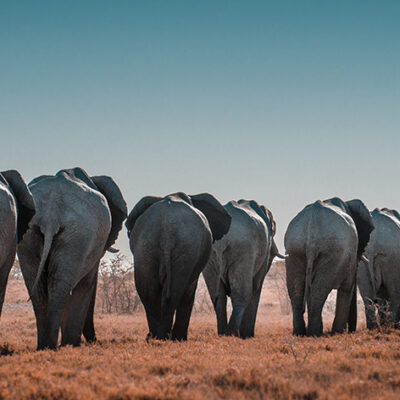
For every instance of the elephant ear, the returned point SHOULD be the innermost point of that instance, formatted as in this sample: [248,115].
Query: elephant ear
[138,210]
[116,203]
[271,220]
[24,200]
[218,218]
[363,221]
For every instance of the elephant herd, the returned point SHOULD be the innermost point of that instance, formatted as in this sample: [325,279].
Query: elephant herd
[62,225]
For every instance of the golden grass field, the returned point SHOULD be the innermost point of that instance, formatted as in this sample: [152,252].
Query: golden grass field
[123,366]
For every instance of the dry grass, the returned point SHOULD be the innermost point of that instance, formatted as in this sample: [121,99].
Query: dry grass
[123,366]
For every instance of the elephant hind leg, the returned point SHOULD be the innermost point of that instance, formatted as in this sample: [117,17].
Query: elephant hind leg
[79,304]
[220,310]
[153,315]
[352,322]
[343,304]
[88,328]
[315,305]
[295,283]
[5,268]
[250,315]
[183,313]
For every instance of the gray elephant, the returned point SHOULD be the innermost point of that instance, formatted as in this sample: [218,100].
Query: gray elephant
[77,219]
[16,210]
[238,265]
[171,241]
[324,243]
[379,274]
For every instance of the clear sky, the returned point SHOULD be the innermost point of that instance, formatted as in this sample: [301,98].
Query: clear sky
[284,102]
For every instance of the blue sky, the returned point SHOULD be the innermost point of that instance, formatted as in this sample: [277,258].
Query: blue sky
[283,102]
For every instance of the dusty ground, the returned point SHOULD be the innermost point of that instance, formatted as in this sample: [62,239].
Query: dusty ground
[123,366]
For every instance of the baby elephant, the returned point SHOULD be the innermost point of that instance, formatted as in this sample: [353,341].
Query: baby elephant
[171,240]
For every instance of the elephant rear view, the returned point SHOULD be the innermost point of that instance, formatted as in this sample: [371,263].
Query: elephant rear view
[379,274]
[77,219]
[324,243]
[171,240]
[238,265]
[16,210]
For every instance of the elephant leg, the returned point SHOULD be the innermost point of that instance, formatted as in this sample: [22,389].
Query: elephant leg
[343,305]
[315,305]
[217,293]
[394,311]
[295,282]
[79,305]
[250,315]
[88,328]
[370,316]
[220,311]
[168,307]
[5,268]
[29,251]
[241,283]
[183,313]
[352,322]
[149,289]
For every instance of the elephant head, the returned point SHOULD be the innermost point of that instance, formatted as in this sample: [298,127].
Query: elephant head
[217,217]
[363,221]
[24,200]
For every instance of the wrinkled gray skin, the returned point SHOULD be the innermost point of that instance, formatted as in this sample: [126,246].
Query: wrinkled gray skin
[324,243]
[77,219]
[171,241]
[379,278]
[16,210]
[238,265]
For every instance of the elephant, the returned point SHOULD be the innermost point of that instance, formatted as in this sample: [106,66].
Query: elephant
[324,243]
[379,274]
[77,220]
[171,240]
[16,210]
[238,265]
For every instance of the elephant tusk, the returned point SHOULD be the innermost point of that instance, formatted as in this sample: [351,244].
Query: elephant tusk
[365,259]
[113,250]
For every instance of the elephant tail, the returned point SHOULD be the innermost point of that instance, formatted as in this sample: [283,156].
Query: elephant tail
[167,272]
[309,271]
[48,241]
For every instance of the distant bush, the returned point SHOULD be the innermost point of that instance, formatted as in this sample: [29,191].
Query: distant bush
[15,273]
[116,291]
[202,302]
[277,276]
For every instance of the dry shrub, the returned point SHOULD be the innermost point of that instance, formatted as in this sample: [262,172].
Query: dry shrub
[116,288]
[15,273]
[202,302]
[277,278]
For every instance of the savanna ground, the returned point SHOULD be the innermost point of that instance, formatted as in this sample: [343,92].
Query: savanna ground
[123,366]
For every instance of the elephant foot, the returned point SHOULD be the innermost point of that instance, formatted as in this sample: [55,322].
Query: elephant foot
[92,340]
[299,332]
[179,338]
